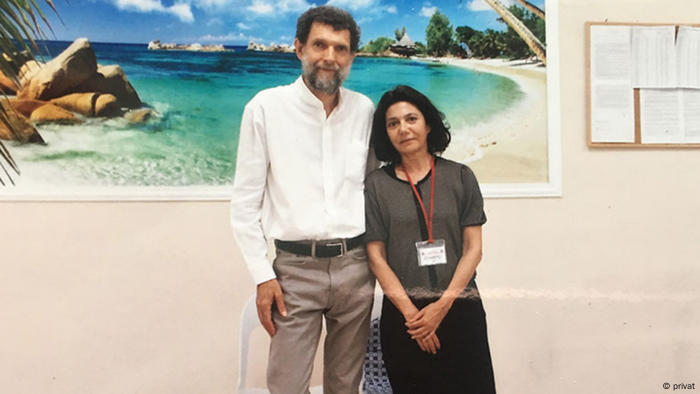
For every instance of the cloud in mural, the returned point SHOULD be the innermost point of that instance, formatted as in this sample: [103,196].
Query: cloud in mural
[214,3]
[230,37]
[277,7]
[428,11]
[354,5]
[367,10]
[480,5]
[180,10]
[215,22]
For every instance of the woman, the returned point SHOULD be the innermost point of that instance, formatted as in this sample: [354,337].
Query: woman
[424,218]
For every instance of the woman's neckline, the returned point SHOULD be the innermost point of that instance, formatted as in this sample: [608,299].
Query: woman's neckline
[391,171]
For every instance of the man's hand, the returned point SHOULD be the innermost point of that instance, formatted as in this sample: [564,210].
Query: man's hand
[269,293]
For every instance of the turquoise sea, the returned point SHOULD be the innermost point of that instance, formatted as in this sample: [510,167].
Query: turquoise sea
[200,97]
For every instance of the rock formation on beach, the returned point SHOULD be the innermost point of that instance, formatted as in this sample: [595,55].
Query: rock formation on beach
[197,47]
[22,129]
[7,85]
[65,90]
[259,47]
[65,72]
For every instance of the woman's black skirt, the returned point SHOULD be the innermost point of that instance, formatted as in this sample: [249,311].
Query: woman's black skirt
[462,365]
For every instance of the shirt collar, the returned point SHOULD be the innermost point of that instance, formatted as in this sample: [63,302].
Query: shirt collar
[309,98]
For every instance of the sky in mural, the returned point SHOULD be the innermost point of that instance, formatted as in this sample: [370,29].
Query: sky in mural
[237,22]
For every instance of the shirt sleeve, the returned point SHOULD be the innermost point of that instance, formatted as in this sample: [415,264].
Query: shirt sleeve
[248,190]
[375,227]
[472,209]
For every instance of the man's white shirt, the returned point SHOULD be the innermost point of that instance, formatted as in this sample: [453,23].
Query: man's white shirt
[299,175]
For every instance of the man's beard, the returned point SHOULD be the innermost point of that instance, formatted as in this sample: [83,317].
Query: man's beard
[323,83]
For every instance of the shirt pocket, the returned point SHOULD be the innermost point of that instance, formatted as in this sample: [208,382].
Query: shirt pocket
[356,162]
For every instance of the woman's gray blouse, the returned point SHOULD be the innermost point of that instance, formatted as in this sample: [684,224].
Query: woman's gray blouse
[394,216]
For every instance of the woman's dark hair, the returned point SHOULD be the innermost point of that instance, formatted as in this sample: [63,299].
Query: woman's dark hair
[332,16]
[438,138]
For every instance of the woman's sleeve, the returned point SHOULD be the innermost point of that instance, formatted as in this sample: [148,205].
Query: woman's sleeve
[375,227]
[472,209]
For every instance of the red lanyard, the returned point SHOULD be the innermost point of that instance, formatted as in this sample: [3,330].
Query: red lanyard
[428,223]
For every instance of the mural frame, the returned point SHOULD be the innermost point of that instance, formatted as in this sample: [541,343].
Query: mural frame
[552,188]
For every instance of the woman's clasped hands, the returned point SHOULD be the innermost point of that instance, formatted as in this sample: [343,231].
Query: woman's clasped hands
[422,325]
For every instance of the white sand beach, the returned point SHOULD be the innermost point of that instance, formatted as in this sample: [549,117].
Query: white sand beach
[511,148]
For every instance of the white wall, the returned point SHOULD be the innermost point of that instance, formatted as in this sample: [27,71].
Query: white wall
[594,292]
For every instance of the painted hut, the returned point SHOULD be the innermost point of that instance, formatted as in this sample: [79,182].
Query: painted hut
[405,46]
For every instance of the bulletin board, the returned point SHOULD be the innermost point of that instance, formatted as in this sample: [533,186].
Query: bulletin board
[643,85]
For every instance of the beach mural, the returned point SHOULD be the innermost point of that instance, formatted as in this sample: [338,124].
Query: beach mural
[151,107]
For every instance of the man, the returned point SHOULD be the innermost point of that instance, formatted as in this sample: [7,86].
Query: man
[299,180]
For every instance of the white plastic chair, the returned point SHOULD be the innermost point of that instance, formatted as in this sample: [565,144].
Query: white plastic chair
[377,305]
[249,321]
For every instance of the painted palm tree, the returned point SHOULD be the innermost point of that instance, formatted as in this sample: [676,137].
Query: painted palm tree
[535,45]
[532,8]
[399,33]
[19,29]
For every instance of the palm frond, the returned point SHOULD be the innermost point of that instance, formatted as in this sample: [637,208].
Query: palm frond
[20,28]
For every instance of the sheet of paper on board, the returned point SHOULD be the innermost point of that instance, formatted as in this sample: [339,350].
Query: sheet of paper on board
[612,96]
[654,57]
[670,116]
[688,57]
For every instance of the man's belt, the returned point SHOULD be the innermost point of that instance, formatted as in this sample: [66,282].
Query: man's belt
[322,248]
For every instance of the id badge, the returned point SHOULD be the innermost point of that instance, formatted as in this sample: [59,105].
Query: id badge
[431,253]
